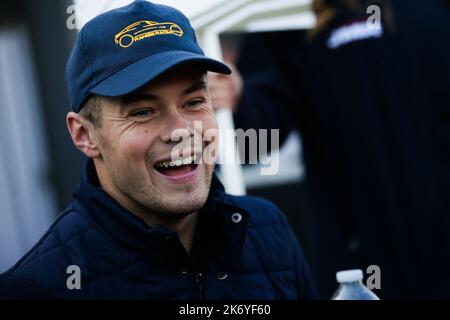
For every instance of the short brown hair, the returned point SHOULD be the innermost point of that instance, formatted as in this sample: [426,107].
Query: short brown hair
[92,112]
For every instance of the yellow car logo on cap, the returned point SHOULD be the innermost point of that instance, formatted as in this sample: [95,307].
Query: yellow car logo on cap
[145,29]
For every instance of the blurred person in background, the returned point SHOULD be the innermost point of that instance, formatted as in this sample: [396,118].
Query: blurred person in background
[372,105]
[143,225]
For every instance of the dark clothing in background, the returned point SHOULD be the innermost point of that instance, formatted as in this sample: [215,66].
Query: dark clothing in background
[374,115]
[121,257]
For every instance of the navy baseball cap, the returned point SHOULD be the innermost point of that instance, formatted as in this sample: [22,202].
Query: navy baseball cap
[123,49]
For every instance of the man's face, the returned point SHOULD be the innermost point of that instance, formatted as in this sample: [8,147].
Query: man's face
[135,145]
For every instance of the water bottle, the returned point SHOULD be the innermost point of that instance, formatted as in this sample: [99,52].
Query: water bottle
[351,286]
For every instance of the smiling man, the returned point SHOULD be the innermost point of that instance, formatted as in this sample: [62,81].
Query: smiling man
[147,222]
[132,145]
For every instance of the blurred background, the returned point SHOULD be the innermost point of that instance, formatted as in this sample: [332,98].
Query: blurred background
[363,113]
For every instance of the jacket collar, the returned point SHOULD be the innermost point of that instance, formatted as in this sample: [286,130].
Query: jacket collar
[158,243]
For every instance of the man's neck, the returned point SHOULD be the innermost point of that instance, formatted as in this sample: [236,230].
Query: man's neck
[184,226]
[186,229]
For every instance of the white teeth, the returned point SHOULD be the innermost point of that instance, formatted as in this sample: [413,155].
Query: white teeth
[177,163]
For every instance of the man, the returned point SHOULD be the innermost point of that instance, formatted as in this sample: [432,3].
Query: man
[151,220]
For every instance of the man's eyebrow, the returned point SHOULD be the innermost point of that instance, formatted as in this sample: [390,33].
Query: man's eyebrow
[199,85]
[140,96]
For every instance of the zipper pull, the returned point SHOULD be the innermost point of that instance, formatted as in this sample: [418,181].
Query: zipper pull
[199,281]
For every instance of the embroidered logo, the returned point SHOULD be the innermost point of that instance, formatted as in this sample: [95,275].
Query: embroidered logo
[146,29]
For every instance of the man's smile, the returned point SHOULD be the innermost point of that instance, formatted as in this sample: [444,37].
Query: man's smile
[181,170]
[176,167]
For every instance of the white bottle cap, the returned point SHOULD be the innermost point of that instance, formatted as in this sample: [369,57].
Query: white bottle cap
[349,275]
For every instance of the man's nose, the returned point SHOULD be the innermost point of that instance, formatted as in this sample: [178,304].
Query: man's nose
[176,127]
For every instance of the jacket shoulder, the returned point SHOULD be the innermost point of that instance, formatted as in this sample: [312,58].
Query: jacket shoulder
[69,225]
[44,265]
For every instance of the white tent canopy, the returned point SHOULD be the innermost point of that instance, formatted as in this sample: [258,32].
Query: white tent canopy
[294,18]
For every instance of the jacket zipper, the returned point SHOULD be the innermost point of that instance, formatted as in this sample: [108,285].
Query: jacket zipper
[199,281]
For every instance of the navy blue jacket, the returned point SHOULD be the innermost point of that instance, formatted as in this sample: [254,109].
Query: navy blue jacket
[244,249]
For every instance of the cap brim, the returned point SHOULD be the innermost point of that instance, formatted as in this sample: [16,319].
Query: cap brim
[137,74]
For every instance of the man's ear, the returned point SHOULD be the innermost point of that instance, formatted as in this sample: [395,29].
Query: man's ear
[81,133]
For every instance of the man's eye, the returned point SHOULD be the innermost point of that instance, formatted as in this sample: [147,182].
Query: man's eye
[195,103]
[141,113]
